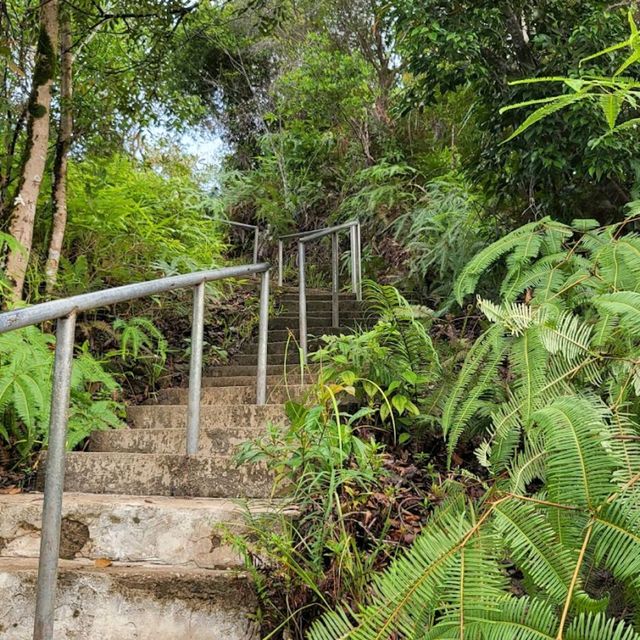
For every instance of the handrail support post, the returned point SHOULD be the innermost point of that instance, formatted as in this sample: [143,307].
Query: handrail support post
[335,281]
[302,300]
[353,237]
[358,262]
[280,262]
[263,340]
[195,370]
[54,480]
[256,244]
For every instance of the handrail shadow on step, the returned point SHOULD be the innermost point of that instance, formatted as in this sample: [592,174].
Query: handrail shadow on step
[356,270]
[65,312]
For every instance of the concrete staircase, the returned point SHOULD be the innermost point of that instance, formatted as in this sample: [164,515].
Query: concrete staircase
[141,557]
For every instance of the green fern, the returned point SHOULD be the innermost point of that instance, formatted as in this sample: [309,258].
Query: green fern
[557,370]
[26,367]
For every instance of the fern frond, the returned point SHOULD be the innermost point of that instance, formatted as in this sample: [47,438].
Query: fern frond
[529,361]
[599,627]
[522,239]
[410,589]
[544,271]
[534,547]
[474,384]
[527,466]
[515,317]
[616,541]
[625,305]
[618,262]
[27,399]
[513,619]
[579,468]
[625,446]
[567,335]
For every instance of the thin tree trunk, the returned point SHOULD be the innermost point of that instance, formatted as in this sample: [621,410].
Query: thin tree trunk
[65,133]
[35,157]
[6,177]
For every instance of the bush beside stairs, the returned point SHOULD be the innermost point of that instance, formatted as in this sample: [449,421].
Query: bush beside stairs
[140,555]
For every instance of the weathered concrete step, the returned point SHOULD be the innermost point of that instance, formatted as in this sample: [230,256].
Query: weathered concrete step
[282,335]
[324,314]
[291,379]
[174,416]
[290,346]
[315,304]
[251,370]
[213,442]
[148,474]
[158,530]
[276,394]
[293,357]
[273,381]
[127,602]
[315,323]
[292,293]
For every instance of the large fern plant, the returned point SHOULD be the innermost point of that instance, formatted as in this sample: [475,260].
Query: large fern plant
[551,550]
[26,365]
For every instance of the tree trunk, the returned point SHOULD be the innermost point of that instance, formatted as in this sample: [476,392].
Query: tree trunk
[35,156]
[10,152]
[65,133]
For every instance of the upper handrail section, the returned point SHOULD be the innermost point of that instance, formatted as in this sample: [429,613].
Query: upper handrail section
[317,234]
[250,227]
[55,309]
[304,237]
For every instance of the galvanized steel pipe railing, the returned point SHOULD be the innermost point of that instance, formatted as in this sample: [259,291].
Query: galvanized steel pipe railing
[251,227]
[65,312]
[356,271]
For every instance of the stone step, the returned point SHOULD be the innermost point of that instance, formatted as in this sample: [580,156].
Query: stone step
[291,379]
[276,394]
[122,528]
[250,380]
[233,416]
[126,602]
[149,474]
[213,442]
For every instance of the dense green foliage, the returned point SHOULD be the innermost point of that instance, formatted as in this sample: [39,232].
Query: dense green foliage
[466,468]
[26,385]
[557,373]
[154,214]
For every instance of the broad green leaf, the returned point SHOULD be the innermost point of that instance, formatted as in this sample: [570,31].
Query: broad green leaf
[560,103]
[611,104]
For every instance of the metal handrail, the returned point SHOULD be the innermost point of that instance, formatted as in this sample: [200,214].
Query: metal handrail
[244,225]
[356,270]
[65,312]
